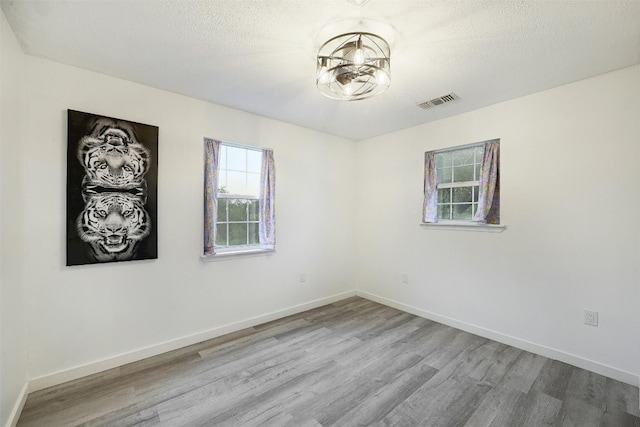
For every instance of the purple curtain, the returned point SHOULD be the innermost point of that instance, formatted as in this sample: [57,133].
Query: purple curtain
[267,225]
[430,207]
[211,160]
[489,198]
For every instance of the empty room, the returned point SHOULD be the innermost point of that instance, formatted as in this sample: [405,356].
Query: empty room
[320,213]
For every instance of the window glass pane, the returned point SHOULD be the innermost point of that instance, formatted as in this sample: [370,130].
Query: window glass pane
[479,153]
[463,173]
[253,210]
[254,161]
[444,195]
[223,156]
[462,212]
[236,182]
[443,160]
[237,234]
[475,208]
[253,184]
[221,235]
[222,181]
[443,211]
[237,210]
[476,193]
[463,157]
[236,159]
[462,194]
[443,175]
[222,210]
[254,238]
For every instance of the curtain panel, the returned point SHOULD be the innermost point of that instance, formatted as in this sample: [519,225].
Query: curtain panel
[430,206]
[211,160]
[267,218]
[489,197]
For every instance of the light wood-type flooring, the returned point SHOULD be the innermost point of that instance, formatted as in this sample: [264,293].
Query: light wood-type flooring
[354,362]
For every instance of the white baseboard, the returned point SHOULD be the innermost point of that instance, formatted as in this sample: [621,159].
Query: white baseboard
[12,421]
[74,373]
[572,359]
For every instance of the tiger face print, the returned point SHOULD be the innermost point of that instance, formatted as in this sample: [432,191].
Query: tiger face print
[111,155]
[113,224]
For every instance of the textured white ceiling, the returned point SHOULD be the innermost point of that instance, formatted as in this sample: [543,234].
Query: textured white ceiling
[259,55]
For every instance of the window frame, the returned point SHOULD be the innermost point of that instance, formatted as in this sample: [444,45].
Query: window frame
[238,249]
[472,184]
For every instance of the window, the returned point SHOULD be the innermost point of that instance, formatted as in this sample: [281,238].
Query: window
[239,198]
[458,180]
[462,184]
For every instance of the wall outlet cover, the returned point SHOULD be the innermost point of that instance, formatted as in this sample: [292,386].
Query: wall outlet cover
[591,318]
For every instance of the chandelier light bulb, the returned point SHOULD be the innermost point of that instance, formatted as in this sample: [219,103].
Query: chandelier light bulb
[323,73]
[358,56]
[382,78]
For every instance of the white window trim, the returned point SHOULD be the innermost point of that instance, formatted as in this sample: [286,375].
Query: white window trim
[229,251]
[459,184]
[464,226]
[244,252]
[237,196]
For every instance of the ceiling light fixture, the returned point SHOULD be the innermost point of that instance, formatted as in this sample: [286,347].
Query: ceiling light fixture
[353,66]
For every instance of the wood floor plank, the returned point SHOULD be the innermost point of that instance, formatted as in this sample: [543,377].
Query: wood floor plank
[576,412]
[81,410]
[553,379]
[533,409]
[374,408]
[132,415]
[440,402]
[353,362]
[619,419]
[275,398]
[450,349]
[495,407]
[362,383]
[67,390]
[524,371]
[587,387]
[492,362]
[621,397]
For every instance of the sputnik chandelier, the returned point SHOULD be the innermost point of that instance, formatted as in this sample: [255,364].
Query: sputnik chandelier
[353,66]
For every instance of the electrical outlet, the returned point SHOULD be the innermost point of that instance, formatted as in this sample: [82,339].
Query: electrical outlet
[591,318]
[404,277]
[302,278]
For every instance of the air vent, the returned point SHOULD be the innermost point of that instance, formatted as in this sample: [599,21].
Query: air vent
[438,101]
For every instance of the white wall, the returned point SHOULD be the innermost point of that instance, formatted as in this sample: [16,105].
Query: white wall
[560,254]
[80,315]
[13,358]
[570,177]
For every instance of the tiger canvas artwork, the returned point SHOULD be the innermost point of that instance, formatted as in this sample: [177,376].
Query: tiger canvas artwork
[111,189]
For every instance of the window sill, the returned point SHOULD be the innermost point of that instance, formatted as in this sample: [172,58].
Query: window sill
[223,256]
[465,226]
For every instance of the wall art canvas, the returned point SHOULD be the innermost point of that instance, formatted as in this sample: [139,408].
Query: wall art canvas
[112,179]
